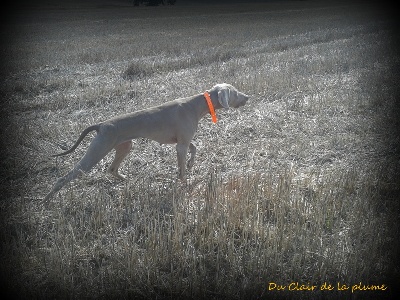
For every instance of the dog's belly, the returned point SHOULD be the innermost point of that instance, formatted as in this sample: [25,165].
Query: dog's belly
[165,140]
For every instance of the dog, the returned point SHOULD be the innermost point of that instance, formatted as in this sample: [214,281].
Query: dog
[173,122]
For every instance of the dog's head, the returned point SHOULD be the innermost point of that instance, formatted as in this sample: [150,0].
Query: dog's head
[229,96]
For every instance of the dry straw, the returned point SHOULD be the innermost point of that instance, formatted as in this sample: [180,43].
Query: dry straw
[299,185]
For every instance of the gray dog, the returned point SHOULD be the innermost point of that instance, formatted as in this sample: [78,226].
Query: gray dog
[173,122]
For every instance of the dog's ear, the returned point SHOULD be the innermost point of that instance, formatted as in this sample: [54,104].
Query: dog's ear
[223,97]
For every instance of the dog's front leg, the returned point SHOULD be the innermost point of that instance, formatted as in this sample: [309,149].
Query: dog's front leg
[192,150]
[182,150]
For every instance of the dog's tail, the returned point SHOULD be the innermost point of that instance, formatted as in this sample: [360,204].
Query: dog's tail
[81,137]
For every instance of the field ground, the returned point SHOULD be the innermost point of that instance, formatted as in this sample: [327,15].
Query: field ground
[300,185]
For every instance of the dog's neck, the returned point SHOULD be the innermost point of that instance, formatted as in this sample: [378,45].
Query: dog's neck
[210,107]
[201,105]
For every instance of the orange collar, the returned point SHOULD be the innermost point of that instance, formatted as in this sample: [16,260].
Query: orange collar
[210,107]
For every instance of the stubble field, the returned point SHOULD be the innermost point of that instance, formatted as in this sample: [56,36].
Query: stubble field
[299,186]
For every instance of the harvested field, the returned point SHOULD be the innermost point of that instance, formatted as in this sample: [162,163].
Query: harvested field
[301,185]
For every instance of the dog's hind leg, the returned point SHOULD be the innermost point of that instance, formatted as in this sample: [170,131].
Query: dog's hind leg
[121,151]
[99,147]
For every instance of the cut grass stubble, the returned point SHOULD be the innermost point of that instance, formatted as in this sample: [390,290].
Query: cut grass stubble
[284,189]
